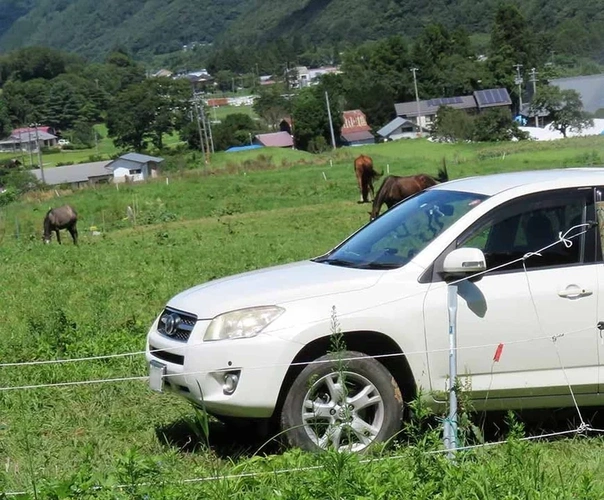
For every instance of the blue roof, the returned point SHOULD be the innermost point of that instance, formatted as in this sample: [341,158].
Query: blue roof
[234,149]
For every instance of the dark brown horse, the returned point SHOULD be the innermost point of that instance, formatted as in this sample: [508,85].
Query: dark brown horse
[395,188]
[365,173]
[64,217]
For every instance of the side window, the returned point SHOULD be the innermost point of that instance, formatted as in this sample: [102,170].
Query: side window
[530,224]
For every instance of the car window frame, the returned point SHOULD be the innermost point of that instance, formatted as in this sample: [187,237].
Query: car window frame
[590,249]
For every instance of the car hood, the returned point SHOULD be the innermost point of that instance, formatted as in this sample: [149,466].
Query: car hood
[272,286]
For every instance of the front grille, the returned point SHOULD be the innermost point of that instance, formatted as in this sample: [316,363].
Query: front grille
[176,325]
[170,357]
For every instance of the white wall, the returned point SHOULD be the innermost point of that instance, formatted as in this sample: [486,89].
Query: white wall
[119,174]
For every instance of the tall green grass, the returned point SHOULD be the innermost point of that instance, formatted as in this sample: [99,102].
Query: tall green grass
[101,297]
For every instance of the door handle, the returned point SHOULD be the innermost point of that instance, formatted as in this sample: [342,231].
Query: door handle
[574,292]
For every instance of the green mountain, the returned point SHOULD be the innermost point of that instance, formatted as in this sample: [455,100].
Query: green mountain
[151,27]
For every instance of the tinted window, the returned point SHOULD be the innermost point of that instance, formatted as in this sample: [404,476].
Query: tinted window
[398,235]
[530,224]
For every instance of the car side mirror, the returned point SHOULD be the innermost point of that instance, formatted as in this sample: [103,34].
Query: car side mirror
[462,263]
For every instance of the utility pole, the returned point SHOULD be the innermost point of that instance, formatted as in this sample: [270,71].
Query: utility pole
[333,137]
[40,164]
[519,81]
[534,80]
[203,152]
[205,132]
[413,70]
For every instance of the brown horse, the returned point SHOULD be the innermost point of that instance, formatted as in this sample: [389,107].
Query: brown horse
[64,217]
[363,169]
[396,188]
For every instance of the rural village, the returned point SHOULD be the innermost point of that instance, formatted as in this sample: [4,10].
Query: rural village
[246,256]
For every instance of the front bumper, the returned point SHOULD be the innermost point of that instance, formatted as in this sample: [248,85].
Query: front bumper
[196,370]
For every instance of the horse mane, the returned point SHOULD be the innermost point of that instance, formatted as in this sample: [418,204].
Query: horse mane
[378,201]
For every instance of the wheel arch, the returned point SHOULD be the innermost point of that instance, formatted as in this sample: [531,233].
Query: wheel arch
[371,343]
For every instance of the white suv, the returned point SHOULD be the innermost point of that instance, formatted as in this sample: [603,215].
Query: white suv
[256,345]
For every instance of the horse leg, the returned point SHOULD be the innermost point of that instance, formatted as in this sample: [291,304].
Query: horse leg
[74,234]
[360,183]
[58,236]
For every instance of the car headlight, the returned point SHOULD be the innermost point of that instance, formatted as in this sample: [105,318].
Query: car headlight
[243,323]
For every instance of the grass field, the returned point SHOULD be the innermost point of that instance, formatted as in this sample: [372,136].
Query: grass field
[253,209]
[221,112]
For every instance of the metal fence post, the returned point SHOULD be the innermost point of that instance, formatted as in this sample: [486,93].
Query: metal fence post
[450,427]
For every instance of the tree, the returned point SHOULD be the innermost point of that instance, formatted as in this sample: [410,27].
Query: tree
[311,120]
[452,125]
[272,106]
[144,112]
[564,107]
[63,106]
[496,124]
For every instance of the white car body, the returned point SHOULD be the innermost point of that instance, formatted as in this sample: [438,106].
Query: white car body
[401,305]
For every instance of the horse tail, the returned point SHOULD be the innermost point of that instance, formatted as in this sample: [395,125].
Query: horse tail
[443,175]
[378,201]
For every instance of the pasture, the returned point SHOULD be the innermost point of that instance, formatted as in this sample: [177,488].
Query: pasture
[117,439]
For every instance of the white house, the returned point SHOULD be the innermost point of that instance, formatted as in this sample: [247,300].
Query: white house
[400,128]
[134,167]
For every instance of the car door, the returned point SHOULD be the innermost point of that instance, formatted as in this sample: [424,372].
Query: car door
[508,319]
[599,258]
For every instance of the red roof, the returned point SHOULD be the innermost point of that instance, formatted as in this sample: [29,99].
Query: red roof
[276,140]
[25,130]
[354,121]
[218,101]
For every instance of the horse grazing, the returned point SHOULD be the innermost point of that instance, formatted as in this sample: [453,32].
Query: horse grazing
[363,169]
[395,188]
[64,217]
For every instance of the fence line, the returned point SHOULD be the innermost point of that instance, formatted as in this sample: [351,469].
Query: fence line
[497,345]
[245,475]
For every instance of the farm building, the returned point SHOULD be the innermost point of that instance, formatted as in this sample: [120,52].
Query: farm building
[425,111]
[275,140]
[134,167]
[84,174]
[28,139]
[355,131]
[590,88]
[400,128]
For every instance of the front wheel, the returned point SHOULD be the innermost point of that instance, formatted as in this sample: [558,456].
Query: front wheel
[344,405]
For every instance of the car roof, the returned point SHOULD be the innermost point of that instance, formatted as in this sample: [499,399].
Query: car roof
[493,184]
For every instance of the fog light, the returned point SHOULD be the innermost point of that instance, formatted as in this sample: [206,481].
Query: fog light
[231,379]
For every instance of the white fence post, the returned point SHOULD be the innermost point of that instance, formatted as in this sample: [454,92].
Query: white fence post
[450,427]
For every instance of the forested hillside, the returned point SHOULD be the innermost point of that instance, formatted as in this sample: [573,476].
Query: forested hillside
[150,27]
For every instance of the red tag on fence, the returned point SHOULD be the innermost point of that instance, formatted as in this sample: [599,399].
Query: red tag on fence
[498,352]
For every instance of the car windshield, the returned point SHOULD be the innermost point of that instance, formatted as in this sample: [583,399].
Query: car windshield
[398,235]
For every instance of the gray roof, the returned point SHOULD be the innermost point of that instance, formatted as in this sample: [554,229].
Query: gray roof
[590,88]
[139,158]
[387,129]
[28,137]
[430,106]
[479,99]
[72,173]
[362,135]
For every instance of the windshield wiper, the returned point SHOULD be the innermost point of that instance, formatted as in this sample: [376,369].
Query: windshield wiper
[337,262]
[380,265]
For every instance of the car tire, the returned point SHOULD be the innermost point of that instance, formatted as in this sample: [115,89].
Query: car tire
[314,417]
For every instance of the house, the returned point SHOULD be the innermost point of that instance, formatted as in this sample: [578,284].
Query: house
[590,88]
[28,139]
[134,167]
[425,111]
[83,174]
[275,140]
[355,131]
[199,80]
[162,73]
[400,128]
[310,76]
